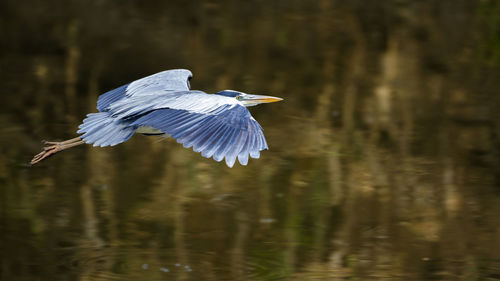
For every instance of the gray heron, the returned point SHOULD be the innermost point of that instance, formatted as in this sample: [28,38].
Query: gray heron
[218,125]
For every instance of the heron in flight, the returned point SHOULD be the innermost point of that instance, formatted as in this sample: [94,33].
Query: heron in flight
[217,125]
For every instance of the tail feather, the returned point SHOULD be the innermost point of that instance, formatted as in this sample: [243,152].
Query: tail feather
[101,129]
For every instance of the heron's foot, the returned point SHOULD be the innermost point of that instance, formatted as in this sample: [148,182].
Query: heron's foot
[47,152]
[54,147]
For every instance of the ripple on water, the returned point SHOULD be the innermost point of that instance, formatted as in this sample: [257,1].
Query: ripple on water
[111,263]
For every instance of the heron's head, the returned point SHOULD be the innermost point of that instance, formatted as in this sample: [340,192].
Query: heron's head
[247,99]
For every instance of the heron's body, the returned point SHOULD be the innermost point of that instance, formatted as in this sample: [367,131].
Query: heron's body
[217,125]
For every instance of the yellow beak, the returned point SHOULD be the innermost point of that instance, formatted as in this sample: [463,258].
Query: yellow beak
[261,99]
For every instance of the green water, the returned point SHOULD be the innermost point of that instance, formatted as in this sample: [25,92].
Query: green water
[383,158]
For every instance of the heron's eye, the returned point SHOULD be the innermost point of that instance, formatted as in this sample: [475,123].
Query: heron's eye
[239,97]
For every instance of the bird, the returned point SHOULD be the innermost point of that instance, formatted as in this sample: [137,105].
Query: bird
[218,125]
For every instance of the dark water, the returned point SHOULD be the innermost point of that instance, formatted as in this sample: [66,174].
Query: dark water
[384,158]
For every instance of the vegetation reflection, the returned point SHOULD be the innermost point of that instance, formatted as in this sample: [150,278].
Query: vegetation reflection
[384,159]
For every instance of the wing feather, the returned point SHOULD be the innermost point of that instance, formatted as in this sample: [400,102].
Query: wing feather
[220,145]
[243,154]
[198,133]
[210,130]
[192,101]
[169,81]
[253,147]
[173,80]
[110,97]
[214,142]
[232,154]
[229,132]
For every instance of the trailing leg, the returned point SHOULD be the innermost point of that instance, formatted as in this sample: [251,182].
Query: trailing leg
[55,147]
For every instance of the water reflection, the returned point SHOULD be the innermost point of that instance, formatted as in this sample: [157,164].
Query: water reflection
[384,158]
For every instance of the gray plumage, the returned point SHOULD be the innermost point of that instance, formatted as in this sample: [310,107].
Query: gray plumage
[217,125]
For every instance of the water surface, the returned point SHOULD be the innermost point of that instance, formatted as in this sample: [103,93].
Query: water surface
[383,161]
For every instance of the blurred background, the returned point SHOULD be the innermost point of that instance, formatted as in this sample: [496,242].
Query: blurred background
[383,163]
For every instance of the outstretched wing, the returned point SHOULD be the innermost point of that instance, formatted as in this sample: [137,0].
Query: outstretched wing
[228,131]
[167,81]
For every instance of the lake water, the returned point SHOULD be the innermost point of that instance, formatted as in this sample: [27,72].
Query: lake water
[383,161]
